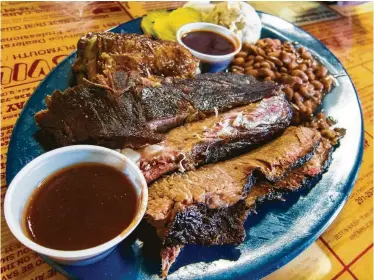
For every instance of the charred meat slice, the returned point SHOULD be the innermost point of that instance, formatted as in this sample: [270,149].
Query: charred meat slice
[222,78]
[138,101]
[225,183]
[296,179]
[274,161]
[227,78]
[165,107]
[94,114]
[178,101]
[200,217]
[198,224]
[217,138]
[215,186]
[207,206]
[208,227]
[209,93]
[102,53]
[188,100]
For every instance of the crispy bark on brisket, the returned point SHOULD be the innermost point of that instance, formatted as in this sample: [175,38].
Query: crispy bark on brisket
[198,224]
[120,114]
[296,179]
[179,101]
[94,114]
[217,137]
[101,53]
[209,93]
[184,207]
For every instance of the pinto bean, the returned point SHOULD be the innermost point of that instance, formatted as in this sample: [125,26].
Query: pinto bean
[321,71]
[250,57]
[317,85]
[327,83]
[248,63]
[285,57]
[305,92]
[265,72]
[274,54]
[277,76]
[292,65]
[257,65]
[302,67]
[259,58]
[252,72]
[301,50]
[265,65]
[236,68]
[276,61]
[300,74]
[311,76]
[289,92]
[238,61]
[288,80]
[306,55]
[242,54]
[246,47]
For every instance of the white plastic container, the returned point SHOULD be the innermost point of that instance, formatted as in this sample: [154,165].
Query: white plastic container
[211,63]
[29,178]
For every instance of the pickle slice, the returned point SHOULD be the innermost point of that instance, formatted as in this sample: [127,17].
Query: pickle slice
[163,30]
[149,20]
[182,16]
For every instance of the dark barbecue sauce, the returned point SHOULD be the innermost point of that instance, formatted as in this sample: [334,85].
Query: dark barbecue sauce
[208,42]
[80,206]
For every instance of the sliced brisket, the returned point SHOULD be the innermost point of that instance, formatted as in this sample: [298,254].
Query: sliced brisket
[209,93]
[225,183]
[103,53]
[130,101]
[218,137]
[207,206]
[94,114]
[296,179]
[165,107]
[177,101]
[187,100]
[198,224]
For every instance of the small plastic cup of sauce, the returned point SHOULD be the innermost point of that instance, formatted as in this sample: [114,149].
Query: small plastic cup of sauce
[213,44]
[25,188]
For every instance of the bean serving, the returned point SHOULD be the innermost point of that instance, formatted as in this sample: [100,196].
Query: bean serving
[325,126]
[305,80]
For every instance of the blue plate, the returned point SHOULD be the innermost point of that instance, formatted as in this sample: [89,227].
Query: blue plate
[275,236]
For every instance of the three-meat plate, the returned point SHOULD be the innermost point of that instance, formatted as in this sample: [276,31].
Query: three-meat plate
[238,186]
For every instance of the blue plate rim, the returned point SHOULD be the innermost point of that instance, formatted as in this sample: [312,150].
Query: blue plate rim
[296,251]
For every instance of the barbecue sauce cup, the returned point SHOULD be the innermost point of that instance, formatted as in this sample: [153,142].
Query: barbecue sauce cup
[30,182]
[215,45]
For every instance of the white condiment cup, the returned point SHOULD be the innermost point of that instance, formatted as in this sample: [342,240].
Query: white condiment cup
[211,63]
[30,177]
